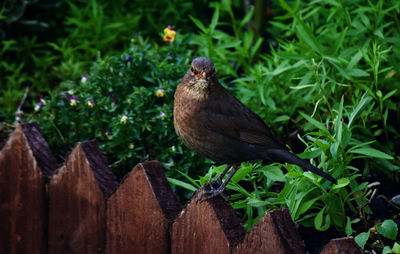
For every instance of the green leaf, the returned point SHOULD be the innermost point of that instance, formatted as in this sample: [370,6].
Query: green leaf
[334,149]
[242,173]
[282,118]
[255,202]
[255,47]
[388,95]
[308,37]
[360,106]
[335,208]
[181,184]
[198,24]
[214,20]
[290,199]
[285,6]
[361,239]
[338,122]
[387,250]
[247,18]
[304,206]
[357,73]
[230,44]
[354,60]
[273,173]
[396,248]
[371,152]
[378,32]
[349,230]
[388,229]
[298,200]
[191,180]
[344,73]
[319,219]
[339,41]
[310,154]
[340,183]
[317,124]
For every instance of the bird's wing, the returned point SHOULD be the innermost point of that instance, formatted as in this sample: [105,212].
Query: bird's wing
[228,116]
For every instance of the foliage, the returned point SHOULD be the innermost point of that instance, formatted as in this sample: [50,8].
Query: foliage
[333,76]
[328,80]
[125,102]
[47,46]
[387,229]
[228,52]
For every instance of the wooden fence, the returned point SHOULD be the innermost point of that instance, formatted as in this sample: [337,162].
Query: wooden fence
[81,208]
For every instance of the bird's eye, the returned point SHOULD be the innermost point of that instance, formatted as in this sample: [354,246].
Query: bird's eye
[192,69]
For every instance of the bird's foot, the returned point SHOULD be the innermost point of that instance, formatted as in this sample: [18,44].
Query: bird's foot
[211,190]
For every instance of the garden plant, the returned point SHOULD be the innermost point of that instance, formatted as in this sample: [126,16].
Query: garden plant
[323,75]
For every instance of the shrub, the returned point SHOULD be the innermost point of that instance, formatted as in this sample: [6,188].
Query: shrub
[126,103]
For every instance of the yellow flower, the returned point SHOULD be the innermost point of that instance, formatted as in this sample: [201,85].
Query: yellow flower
[169,34]
[109,137]
[124,118]
[38,106]
[160,92]
[90,103]
[84,78]
[42,99]
[73,101]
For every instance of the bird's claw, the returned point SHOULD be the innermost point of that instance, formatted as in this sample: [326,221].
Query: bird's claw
[210,191]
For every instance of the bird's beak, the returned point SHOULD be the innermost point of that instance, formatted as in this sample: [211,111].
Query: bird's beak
[202,75]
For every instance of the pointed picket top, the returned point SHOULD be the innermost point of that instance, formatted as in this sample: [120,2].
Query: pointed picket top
[167,200]
[98,163]
[25,165]
[206,227]
[77,201]
[140,211]
[342,245]
[275,232]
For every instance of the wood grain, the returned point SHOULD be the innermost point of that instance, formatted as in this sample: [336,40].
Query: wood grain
[140,211]
[206,227]
[342,245]
[25,165]
[274,233]
[77,202]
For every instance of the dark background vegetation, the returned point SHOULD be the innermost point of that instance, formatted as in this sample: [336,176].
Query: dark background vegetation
[322,74]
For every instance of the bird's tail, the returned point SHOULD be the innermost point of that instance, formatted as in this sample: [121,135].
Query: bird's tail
[286,156]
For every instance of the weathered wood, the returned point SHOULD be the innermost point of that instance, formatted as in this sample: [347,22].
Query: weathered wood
[25,164]
[343,245]
[140,211]
[98,163]
[274,233]
[74,217]
[206,227]
[77,202]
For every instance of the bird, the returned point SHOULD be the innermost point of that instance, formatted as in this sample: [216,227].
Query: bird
[214,124]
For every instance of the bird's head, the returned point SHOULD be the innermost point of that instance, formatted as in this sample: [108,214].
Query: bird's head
[202,68]
[200,78]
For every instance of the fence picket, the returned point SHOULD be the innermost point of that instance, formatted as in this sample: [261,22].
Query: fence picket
[206,227]
[77,202]
[342,246]
[140,212]
[275,232]
[25,165]
[78,209]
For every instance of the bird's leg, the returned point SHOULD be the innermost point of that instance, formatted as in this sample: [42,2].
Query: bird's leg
[218,181]
[212,192]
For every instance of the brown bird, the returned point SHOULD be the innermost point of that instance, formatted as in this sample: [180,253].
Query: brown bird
[215,124]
